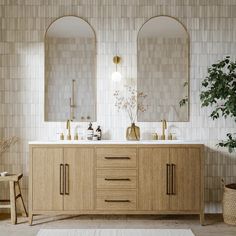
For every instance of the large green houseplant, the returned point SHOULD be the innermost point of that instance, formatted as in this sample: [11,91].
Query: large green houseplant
[219,92]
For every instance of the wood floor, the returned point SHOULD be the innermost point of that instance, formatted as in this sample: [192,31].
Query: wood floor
[214,224]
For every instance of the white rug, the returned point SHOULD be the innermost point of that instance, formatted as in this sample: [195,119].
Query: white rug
[115,232]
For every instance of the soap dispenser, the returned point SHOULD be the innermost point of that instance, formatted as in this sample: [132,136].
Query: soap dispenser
[76,136]
[99,132]
[90,132]
[61,136]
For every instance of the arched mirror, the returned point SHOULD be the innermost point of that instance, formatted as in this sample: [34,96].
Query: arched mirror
[70,70]
[163,69]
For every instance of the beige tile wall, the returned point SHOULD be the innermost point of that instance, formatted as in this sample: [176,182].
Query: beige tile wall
[212,28]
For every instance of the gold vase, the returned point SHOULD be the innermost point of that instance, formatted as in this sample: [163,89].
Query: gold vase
[133,132]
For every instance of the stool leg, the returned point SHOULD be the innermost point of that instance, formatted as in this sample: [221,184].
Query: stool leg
[202,218]
[23,204]
[30,219]
[13,202]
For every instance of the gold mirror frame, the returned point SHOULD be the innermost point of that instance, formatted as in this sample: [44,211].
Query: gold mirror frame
[95,79]
[188,67]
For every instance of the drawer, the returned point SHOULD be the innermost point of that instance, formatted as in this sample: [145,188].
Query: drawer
[116,200]
[116,157]
[116,179]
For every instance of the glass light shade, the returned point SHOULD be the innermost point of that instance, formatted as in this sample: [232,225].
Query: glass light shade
[116,76]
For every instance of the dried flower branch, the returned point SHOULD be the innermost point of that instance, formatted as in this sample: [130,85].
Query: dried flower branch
[6,143]
[132,103]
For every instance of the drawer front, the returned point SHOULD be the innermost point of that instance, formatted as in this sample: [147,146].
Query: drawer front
[116,157]
[116,179]
[116,200]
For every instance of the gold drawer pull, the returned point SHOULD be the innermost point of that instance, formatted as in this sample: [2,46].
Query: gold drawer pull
[121,179]
[117,200]
[117,158]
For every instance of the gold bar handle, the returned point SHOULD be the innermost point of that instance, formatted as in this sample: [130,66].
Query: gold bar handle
[61,179]
[117,158]
[173,179]
[117,179]
[66,179]
[167,179]
[107,200]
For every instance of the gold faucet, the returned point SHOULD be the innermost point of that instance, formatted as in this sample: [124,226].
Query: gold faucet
[68,127]
[164,127]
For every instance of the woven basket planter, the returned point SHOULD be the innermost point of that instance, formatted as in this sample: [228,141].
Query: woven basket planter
[229,204]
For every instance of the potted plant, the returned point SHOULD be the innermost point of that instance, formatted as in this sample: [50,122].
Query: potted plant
[132,103]
[219,92]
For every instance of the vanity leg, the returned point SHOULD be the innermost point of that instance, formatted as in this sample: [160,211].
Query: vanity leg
[30,219]
[202,218]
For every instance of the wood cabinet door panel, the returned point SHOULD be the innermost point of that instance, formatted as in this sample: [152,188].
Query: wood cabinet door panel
[152,193]
[46,181]
[187,179]
[145,185]
[79,177]
[161,199]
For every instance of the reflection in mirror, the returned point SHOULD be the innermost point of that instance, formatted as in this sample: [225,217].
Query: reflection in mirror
[70,70]
[163,61]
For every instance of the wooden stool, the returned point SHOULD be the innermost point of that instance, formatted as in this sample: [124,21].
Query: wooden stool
[13,181]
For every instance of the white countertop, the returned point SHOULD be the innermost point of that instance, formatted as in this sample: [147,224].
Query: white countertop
[87,142]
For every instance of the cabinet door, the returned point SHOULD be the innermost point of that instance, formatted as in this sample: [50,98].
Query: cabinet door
[46,179]
[152,194]
[145,179]
[79,175]
[186,179]
[159,166]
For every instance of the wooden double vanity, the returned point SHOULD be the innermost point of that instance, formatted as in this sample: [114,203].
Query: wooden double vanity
[107,177]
